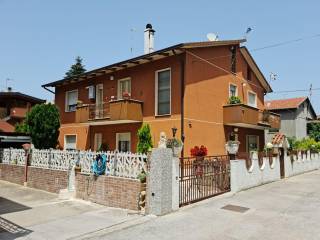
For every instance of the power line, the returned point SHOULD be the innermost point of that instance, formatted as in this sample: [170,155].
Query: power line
[297,90]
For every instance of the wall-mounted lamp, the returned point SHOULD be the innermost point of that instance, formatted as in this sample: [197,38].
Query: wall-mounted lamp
[190,124]
[111,78]
[235,130]
[174,131]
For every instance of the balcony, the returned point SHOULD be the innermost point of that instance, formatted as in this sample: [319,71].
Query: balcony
[117,111]
[242,115]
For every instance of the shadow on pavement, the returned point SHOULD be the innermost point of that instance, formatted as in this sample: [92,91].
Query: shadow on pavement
[8,206]
[9,230]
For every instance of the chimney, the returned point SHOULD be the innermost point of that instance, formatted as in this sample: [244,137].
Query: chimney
[9,89]
[148,39]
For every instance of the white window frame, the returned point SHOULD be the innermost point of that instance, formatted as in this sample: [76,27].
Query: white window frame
[117,140]
[255,104]
[65,137]
[232,84]
[66,107]
[119,95]
[156,92]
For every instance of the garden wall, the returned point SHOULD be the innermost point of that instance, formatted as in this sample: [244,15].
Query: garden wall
[243,178]
[301,163]
[40,178]
[108,190]
[47,179]
[12,173]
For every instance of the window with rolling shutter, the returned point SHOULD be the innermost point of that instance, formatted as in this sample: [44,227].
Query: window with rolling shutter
[163,92]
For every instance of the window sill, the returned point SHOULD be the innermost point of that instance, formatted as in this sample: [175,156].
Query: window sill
[163,115]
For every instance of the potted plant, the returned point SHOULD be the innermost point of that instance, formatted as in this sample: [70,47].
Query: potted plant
[199,152]
[232,147]
[176,145]
[234,100]
[126,95]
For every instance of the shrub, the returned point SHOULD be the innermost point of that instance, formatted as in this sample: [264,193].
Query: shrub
[42,123]
[144,139]
[173,142]
[103,147]
[234,100]
[199,151]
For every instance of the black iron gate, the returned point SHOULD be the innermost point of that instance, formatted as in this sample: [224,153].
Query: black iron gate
[203,177]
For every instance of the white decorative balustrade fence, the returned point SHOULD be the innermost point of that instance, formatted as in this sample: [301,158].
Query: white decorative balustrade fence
[121,164]
[13,156]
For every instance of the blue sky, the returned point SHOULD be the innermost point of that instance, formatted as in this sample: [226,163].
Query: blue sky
[40,39]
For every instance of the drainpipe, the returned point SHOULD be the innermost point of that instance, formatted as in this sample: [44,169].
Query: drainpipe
[182,85]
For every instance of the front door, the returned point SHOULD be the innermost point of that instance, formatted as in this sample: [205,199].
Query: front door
[282,162]
[99,101]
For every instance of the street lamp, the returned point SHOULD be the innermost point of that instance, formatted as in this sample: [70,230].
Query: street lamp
[174,131]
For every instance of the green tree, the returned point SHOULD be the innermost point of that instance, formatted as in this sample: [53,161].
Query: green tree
[314,131]
[22,127]
[144,139]
[42,123]
[76,69]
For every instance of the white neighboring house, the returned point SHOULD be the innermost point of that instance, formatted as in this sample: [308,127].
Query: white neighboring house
[295,113]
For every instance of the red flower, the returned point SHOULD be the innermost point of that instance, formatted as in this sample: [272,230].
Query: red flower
[199,152]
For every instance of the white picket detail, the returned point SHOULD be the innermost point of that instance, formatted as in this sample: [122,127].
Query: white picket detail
[14,156]
[53,159]
[120,164]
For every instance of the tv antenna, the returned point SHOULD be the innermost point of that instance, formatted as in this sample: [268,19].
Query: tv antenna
[273,76]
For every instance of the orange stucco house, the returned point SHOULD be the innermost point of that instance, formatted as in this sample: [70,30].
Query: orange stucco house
[186,86]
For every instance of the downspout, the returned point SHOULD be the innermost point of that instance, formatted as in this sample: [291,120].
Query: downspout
[182,85]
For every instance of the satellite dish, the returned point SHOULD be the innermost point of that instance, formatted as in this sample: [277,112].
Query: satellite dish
[212,37]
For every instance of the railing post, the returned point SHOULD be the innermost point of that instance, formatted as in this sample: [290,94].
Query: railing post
[10,153]
[115,163]
[49,158]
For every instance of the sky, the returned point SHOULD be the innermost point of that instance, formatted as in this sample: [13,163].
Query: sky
[39,40]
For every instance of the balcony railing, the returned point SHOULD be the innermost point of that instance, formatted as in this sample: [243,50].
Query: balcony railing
[242,115]
[124,109]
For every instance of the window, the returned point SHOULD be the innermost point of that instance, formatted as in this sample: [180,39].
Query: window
[233,90]
[123,142]
[124,85]
[91,92]
[70,142]
[252,143]
[252,99]
[71,101]
[163,92]
[97,141]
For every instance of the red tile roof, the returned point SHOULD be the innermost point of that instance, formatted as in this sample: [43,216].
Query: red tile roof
[278,138]
[284,103]
[6,127]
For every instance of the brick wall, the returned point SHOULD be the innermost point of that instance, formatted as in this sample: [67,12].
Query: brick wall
[40,178]
[109,191]
[47,179]
[12,173]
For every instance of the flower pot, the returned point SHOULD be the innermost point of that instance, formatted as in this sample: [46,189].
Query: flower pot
[232,147]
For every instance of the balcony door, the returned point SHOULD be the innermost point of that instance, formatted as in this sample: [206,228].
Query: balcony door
[99,101]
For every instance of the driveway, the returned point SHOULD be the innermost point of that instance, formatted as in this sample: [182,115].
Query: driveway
[27,213]
[287,209]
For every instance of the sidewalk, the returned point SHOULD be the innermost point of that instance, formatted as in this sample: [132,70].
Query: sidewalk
[287,209]
[27,213]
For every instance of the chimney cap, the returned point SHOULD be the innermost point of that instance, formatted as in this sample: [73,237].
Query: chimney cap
[149,25]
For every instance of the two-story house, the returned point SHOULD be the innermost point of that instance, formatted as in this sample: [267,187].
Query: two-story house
[14,107]
[295,114]
[185,86]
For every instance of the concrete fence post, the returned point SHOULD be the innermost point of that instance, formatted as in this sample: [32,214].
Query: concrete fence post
[163,182]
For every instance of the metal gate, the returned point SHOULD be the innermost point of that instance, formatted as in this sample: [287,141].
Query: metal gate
[203,177]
